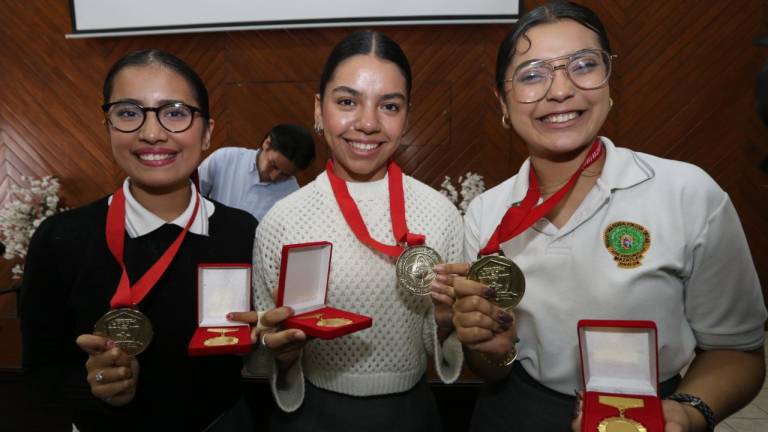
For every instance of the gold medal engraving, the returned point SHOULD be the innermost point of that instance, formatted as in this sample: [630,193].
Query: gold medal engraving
[130,329]
[621,423]
[501,275]
[414,269]
[221,339]
[328,322]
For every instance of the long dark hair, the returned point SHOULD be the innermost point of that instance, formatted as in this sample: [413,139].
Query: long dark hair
[156,56]
[366,42]
[548,13]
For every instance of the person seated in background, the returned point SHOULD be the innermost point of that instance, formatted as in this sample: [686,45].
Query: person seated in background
[254,180]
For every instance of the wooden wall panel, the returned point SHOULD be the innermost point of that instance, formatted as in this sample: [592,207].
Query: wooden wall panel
[683,87]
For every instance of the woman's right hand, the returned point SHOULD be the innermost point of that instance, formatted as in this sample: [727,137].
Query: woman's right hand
[285,344]
[480,324]
[112,374]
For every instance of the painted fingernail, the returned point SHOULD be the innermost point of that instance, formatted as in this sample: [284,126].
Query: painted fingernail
[504,317]
[110,344]
[488,293]
[229,316]
[504,326]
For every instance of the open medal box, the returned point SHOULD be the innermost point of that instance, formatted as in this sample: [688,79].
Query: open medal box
[305,270]
[221,289]
[619,362]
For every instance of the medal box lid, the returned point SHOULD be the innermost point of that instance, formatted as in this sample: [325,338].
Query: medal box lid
[619,357]
[222,288]
[305,270]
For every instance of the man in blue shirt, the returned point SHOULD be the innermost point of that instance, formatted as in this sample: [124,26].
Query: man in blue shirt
[254,180]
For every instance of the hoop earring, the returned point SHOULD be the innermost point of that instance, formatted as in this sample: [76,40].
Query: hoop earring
[610,102]
[505,122]
[318,129]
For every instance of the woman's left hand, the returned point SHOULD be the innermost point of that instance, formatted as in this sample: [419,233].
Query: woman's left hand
[252,319]
[677,417]
[443,295]
[258,326]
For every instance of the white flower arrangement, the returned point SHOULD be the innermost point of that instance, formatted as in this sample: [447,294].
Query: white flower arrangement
[24,212]
[471,185]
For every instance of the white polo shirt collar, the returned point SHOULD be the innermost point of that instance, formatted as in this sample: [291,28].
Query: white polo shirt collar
[622,169]
[139,221]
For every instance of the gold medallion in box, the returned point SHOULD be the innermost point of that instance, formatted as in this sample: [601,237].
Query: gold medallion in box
[621,423]
[221,340]
[501,275]
[414,269]
[130,329]
[328,322]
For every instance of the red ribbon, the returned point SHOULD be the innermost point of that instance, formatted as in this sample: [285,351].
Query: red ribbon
[519,218]
[127,296]
[355,221]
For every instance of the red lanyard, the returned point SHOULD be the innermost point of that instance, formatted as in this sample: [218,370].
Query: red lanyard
[127,296]
[355,221]
[519,218]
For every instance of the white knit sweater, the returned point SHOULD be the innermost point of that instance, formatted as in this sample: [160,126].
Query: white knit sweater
[391,356]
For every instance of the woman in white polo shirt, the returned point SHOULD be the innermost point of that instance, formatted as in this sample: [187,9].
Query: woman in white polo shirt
[605,233]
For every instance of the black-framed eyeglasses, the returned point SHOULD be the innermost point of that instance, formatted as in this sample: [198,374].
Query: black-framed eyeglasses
[587,69]
[129,117]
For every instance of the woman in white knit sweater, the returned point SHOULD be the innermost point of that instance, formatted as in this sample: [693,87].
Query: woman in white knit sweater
[372,379]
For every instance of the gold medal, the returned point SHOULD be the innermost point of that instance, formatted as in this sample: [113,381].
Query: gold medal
[501,275]
[328,322]
[130,329]
[334,322]
[414,269]
[621,423]
[221,339]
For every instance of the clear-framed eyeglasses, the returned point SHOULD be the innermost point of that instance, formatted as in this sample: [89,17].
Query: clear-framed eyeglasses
[587,69]
[129,117]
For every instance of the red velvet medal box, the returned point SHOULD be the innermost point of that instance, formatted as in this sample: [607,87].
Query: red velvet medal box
[305,270]
[221,289]
[620,359]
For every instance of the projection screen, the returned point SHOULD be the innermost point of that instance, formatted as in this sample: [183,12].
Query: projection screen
[99,18]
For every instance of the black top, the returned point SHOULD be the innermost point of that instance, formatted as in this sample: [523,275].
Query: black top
[69,280]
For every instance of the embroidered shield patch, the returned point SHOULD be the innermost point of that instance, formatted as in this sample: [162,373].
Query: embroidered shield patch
[627,242]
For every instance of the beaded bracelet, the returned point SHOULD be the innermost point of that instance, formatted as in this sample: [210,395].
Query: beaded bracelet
[699,404]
